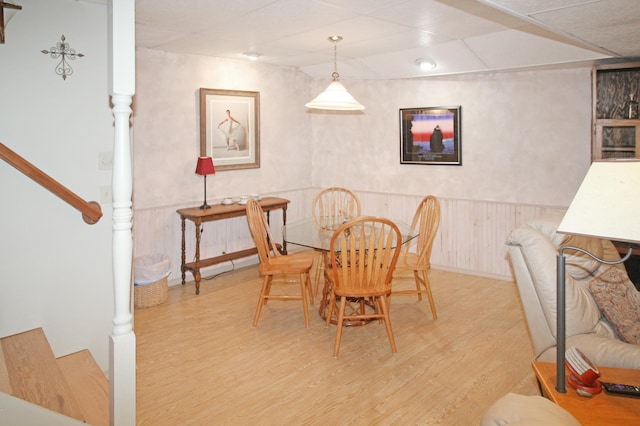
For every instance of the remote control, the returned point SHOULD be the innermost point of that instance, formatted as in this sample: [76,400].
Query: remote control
[618,388]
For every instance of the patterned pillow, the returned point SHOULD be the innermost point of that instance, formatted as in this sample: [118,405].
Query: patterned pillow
[619,301]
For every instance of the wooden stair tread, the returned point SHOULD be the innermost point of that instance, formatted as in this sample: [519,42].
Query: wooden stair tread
[89,384]
[34,374]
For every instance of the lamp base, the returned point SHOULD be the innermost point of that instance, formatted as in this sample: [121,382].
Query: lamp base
[205,206]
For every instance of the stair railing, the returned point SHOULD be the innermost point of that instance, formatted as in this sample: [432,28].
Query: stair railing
[91,211]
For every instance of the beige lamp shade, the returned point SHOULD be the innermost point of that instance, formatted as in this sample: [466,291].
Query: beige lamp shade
[335,97]
[607,204]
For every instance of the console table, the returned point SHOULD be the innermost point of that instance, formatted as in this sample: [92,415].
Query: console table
[601,409]
[219,212]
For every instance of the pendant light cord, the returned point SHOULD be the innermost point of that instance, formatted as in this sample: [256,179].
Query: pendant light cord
[335,40]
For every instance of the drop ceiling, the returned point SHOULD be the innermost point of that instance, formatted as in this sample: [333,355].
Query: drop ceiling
[382,39]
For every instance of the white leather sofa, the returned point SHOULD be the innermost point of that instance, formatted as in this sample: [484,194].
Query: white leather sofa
[533,249]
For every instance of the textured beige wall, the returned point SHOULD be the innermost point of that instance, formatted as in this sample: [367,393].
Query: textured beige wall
[167,137]
[525,135]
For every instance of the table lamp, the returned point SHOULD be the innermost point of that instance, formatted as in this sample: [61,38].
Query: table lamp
[204,168]
[606,206]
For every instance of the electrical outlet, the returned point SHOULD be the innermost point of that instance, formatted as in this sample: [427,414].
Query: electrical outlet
[105,161]
[106,197]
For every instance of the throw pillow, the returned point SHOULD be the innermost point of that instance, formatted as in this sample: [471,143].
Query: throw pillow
[619,301]
[580,265]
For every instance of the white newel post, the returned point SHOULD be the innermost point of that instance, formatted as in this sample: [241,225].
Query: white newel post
[122,344]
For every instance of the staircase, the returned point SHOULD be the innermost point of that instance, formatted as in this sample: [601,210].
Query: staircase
[72,385]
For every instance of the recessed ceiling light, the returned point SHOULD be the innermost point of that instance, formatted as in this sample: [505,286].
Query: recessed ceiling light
[252,55]
[425,64]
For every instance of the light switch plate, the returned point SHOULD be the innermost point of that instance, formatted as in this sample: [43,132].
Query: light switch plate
[105,161]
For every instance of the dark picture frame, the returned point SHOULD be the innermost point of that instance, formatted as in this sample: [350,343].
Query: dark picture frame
[230,128]
[431,135]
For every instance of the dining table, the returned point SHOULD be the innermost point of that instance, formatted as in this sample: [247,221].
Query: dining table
[316,234]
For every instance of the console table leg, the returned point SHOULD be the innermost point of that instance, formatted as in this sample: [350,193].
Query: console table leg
[284,223]
[196,268]
[183,257]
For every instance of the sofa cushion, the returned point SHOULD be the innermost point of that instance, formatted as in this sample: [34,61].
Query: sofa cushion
[619,301]
[521,410]
[580,265]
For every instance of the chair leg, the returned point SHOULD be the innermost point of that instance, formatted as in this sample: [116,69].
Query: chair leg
[343,304]
[268,290]
[416,276]
[387,322]
[332,302]
[303,291]
[427,286]
[264,292]
[308,286]
[319,271]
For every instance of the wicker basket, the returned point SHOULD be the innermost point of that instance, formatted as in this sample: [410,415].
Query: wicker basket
[148,295]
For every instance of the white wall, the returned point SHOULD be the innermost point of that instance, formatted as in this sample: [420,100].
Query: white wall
[56,269]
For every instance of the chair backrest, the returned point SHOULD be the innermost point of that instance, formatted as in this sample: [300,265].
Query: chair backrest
[426,221]
[363,253]
[261,232]
[333,206]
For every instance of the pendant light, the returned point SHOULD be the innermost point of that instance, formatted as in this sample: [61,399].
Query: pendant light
[335,97]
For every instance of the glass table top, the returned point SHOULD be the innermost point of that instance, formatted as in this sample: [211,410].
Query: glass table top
[307,233]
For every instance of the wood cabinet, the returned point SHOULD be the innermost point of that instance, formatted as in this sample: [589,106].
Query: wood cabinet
[615,135]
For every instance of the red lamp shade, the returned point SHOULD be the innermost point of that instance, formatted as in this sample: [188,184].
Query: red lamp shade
[205,166]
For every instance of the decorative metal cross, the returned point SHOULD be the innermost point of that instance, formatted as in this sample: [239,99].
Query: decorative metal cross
[64,51]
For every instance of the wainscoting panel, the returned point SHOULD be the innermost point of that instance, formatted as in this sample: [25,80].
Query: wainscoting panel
[471,238]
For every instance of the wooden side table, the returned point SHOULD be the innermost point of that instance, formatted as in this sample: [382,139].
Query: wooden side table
[219,212]
[601,409]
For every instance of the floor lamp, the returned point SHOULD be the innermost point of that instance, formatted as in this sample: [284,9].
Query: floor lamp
[204,168]
[606,206]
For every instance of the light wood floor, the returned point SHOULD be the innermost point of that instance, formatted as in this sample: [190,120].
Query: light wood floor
[201,362]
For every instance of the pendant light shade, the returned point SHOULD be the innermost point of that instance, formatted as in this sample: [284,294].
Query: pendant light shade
[335,97]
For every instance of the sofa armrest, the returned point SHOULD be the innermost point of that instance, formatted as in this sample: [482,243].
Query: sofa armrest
[602,351]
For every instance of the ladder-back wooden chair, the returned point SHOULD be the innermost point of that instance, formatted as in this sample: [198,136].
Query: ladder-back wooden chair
[273,263]
[417,258]
[363,255]
[330,208]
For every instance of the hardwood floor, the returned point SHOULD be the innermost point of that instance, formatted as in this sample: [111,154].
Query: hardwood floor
[201,362]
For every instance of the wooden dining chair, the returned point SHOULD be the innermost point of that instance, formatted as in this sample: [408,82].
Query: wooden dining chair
[416,258]
[273,263]
[363,255]
[330,208]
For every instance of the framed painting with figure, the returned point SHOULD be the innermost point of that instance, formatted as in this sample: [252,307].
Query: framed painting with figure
[430,135]
[230,128]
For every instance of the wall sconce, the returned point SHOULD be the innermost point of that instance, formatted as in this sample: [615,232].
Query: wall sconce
[64,51]
[13,9]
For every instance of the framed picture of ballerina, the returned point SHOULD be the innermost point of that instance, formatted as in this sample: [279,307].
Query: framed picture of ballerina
[230,128]
[431,135]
